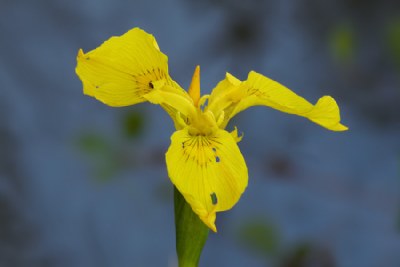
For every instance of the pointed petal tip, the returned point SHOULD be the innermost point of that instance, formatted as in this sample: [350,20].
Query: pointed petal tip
[80,54]
[209,220]
[194,88]
[212,227]
[326,113]
[197,72]
[232,79]
[340,128]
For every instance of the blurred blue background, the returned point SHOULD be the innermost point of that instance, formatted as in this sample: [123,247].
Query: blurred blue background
[83,184]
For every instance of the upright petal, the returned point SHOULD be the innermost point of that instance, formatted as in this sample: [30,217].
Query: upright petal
[209,171]
[224,98]
[123,69]
[194,89]
[235,96]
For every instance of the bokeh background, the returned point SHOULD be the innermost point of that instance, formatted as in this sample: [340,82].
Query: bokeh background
[83,184]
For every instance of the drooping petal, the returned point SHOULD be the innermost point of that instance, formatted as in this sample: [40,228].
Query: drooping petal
[237,96]
[209,171]
[123,69]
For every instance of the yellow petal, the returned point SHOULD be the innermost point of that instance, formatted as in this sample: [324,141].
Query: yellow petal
[209,171]
[235,97]
[123,69]
[326,113]
[223,99]
[194,89]
[165,95]
[178,104]
[236,136]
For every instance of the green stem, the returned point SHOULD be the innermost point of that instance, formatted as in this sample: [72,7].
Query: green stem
[191,232]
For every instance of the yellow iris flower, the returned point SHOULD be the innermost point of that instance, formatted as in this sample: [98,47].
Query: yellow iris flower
[203,161]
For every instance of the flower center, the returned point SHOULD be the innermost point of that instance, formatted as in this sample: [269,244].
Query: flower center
[203,123]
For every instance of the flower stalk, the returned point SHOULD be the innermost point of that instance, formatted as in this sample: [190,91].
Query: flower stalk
[191,232]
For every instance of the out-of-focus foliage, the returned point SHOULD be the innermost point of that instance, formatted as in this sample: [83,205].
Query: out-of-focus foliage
[107,155]
[102,155]
[343,43]
[238,35]
[260,236]
[94,144]
[393,40]
[133,124]
[307,255]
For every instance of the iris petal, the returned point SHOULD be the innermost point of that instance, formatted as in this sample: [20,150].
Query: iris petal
[123,69]
[233,96]
[209,171]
